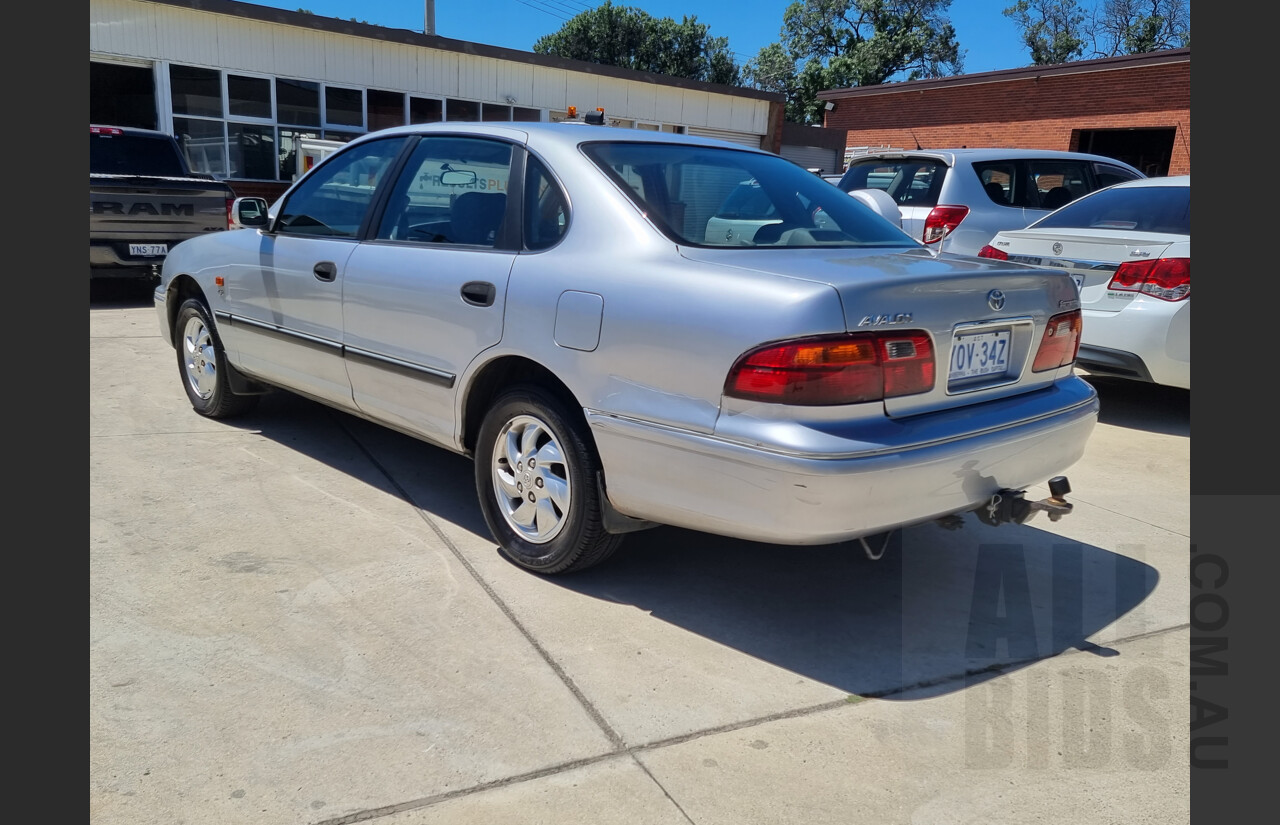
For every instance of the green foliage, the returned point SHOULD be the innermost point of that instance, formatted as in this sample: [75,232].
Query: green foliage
[633,39]
[1057,31]
[832,44]
[1052,30]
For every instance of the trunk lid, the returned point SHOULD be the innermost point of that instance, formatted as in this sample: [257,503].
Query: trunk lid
[1089,256]
[985,317]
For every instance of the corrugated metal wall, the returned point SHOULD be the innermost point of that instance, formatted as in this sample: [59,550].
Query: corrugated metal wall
[815,157]
[141,30]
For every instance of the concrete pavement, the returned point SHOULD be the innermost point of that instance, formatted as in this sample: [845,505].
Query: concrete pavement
[299,617]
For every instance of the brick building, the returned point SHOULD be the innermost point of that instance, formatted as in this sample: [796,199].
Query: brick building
[1135,108]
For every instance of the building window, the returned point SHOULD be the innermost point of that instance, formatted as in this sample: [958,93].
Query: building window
[297,102]
[495,112]
[204,141]
[462,110]
[520,113]
[425,110]
[384,109]
[248,96]
[195,91]
[344,107]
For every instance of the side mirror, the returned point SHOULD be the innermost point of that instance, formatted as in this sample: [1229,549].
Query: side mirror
[880,202]
[249,212]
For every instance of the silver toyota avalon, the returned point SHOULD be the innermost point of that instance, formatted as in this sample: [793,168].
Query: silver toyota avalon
[626,329]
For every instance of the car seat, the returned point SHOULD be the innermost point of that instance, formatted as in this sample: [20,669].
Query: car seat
[476,216]
[996,192]
[1057,196]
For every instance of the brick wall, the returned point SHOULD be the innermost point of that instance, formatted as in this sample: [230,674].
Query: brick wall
[1029,113]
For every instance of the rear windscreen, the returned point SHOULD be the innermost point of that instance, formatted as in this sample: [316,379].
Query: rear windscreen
[1165,209]
[134,155]
[910,182]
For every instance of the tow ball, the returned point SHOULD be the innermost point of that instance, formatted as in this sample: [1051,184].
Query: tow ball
[1012,506]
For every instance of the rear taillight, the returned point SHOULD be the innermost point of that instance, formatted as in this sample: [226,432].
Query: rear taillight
[942,221]
[105,130]
[836,369]
[1060,342]
[1168,279]
[230,203]
[992,252]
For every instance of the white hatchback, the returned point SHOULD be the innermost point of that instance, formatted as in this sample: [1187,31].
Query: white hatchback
[1128,248]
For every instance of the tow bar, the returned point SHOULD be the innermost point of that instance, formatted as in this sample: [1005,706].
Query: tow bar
[1011,506]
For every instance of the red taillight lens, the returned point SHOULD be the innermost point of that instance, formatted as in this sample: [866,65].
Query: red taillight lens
[1060,343]
[230,202]
[105,130]
[992,252]
[1168,279]
[942,221]
[837,369]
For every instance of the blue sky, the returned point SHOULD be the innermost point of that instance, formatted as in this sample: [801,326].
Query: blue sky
[990,40]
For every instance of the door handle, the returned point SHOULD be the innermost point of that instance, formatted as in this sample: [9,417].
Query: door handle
[479,293]
[326,271]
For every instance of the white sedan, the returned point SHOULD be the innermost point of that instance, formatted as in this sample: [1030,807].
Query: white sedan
[1128,248]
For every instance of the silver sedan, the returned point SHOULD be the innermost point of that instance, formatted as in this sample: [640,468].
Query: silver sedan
[588,314]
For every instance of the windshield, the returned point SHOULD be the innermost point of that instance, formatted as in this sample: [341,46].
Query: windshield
[125,154]
[714,197]
[1164,209]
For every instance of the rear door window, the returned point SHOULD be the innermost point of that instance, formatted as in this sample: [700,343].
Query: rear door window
[909,181]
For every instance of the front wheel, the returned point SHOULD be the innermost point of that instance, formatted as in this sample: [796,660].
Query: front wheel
[536,473]
[203,367]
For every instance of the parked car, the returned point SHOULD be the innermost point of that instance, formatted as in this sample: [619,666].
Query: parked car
[1128,248]
[957,199]
[547,299]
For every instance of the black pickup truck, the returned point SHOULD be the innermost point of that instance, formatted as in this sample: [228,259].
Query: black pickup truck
[144,199]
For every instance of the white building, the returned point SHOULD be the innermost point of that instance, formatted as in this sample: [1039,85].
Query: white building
[242,84]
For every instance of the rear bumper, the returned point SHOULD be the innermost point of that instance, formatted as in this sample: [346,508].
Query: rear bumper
[1148,340]
[710,484]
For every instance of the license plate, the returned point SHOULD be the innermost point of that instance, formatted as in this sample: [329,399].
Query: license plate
[979,354]
[148,250]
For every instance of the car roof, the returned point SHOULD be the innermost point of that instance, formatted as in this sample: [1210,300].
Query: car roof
[980,153]
[565,132]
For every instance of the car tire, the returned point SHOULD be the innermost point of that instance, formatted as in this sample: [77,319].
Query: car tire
[203,366]
[536,471]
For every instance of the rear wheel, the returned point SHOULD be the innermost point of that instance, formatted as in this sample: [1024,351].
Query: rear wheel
[536,472]
[203,367]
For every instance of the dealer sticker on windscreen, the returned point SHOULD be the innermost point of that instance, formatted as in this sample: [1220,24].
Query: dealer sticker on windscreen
[979,354]
[148,250]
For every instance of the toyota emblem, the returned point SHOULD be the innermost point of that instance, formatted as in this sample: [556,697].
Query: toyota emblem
[1057,248]
[995,300]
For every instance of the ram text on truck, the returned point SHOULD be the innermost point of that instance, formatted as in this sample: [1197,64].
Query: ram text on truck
[144,199]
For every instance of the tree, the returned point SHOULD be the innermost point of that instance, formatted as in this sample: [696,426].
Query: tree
[1140,26]
[1052,30]
[633,39]
[828,44]
[1057,31]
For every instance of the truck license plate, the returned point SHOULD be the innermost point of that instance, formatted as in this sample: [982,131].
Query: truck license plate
[979,354]
[149,250]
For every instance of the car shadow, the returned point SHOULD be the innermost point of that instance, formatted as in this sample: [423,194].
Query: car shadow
[940,611]
[1138,405]
[120,293]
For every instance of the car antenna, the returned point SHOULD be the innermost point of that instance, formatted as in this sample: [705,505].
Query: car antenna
[916,139]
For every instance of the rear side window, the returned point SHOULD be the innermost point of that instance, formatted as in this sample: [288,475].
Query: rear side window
[126,154]
[909,181]
[1164,209]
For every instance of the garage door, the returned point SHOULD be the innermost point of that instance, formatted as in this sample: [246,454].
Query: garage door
[744,138]
[814,157]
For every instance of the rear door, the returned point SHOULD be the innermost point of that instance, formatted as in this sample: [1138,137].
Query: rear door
[914,183]
[426,294]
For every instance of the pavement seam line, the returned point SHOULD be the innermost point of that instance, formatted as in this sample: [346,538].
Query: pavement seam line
[661,787]
[614,739]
